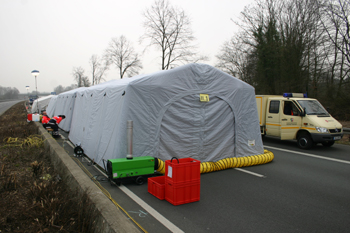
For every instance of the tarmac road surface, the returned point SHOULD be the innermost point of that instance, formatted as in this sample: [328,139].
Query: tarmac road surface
[299,191]
[7,104]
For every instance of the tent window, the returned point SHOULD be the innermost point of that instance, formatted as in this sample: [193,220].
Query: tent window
[274,106]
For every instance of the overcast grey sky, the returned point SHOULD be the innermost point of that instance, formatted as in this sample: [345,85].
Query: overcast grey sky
[55,36]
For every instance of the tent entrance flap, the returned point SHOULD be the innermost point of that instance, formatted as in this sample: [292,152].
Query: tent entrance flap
[197,129]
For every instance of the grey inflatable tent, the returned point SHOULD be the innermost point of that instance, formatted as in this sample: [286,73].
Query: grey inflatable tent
[192,111]
[63,104]
[41,103]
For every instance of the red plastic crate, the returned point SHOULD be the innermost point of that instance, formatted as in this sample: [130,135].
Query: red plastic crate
[182,170]
[156,186]
[178,194]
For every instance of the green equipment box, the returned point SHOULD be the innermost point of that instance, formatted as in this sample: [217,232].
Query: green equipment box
[123,167]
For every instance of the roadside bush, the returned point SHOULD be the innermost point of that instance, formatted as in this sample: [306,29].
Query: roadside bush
[33,198]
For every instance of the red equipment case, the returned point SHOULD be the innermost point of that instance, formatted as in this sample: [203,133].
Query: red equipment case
[156,186]
[182,180]
[182,170]
[178,194]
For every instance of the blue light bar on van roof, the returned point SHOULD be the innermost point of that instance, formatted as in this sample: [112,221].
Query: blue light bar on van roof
[298,95]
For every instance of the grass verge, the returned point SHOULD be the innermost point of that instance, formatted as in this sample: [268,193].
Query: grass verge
[33,198]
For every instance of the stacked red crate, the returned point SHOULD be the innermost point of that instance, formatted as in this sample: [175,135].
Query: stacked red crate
[182,180]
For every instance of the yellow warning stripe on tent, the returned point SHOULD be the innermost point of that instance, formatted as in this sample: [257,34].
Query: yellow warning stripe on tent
[226,163]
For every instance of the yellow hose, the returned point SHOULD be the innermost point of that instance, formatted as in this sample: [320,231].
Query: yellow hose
[226,163]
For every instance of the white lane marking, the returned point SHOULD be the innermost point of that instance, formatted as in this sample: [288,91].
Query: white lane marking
[146,207]
[310,155]
[143,204]
[251,173]
[150,210]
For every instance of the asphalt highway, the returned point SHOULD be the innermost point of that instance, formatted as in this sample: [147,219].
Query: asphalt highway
[7,104]
[299,191]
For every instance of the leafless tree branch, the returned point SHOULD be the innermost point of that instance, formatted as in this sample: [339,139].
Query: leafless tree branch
[121,53]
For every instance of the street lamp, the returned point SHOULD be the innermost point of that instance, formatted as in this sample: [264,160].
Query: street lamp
[36,73]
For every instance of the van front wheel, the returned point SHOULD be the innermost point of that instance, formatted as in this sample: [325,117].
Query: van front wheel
[305,141]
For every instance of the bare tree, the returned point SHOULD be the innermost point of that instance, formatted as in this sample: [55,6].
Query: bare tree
[121,53]
[85,81]
[71,87]
[168,29]
[335,17]
[2,90]
[99,67]
[280,44]
[8,92]
[337,24]
[79,77]
[232,57]
[60,89]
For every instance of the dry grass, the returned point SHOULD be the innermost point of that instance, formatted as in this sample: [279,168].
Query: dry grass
[346,138]
[32,196]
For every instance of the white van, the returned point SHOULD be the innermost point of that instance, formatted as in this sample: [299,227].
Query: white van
[293,116]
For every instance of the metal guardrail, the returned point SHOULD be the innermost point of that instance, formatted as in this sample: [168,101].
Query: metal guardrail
[346,130]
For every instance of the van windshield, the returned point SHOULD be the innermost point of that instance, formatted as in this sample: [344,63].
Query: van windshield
[313,107]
